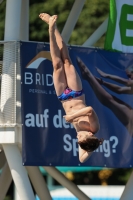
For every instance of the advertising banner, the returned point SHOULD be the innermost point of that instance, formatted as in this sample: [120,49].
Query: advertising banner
[48,140]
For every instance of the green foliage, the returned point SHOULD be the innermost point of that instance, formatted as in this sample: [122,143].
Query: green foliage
[2,19]
[38,29]
[7,198]
[93,14]
[121,176]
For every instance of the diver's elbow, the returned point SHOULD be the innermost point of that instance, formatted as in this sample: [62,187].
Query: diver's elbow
[82,160]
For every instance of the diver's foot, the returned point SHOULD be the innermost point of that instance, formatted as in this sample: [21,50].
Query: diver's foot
[52,22]
[45,17]
[85,72]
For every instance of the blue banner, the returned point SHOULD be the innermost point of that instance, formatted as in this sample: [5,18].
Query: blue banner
[47,139]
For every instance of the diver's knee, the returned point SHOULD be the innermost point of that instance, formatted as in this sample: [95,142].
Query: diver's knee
[57,64]
[67,61]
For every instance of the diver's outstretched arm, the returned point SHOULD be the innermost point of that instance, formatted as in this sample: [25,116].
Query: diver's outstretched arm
[113,77]
[116,88]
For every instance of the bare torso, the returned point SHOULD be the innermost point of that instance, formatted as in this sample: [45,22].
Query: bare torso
[81,116]
[73,105]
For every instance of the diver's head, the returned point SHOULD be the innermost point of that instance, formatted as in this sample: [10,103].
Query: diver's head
[88,141]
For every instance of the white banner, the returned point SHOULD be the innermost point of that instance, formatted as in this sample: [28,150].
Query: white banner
[120,26]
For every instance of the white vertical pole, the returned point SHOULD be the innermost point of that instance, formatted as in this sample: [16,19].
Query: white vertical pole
[5,181]
[12,21]
[128,191]
[18,172]
[38,183]
[12,32]
[24,23]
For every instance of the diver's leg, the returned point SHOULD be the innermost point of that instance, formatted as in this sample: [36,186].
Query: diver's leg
[59,77]
[72,77]
[45,17]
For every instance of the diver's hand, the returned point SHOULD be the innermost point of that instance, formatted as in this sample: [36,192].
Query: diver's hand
[103,74]
[68,118]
